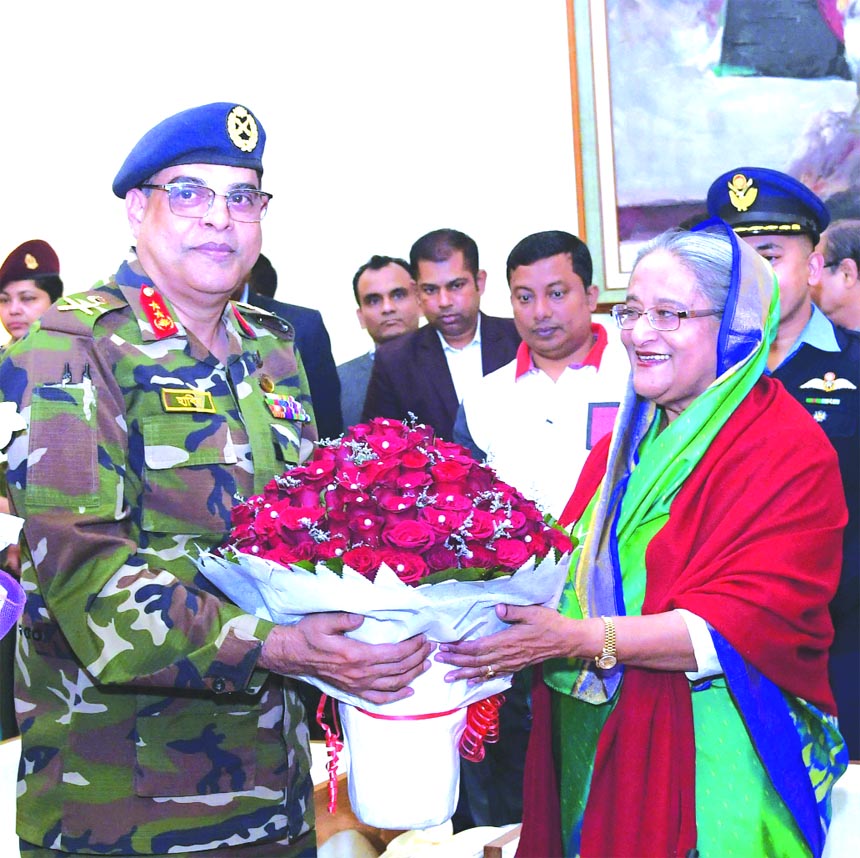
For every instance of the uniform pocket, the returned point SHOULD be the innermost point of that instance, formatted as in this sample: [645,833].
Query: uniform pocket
[184,486]
[184,749]
[62,459]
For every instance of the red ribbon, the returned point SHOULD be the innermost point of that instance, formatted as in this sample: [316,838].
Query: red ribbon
[333,746]
[405,717]
[482,726]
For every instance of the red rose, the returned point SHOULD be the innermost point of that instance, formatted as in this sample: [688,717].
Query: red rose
[452,500]
[479,479]
[352,478]
[363,560]
[386,446]
[449,449]
[321,467]
[414,459]
[439,557]
[410,535]
[483,524]
[560,540]
[335,546]
[366,528]
[297,517]
[511,553]
[482,557]
[449,471]
[442,520]
[408,567]
[412,480]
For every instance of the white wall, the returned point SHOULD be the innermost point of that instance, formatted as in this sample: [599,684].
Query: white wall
[385,119]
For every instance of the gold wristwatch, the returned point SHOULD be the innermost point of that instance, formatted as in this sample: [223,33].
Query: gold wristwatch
[607,658]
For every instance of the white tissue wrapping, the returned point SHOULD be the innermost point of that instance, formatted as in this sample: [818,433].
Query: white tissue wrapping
[403,774]
[393,611]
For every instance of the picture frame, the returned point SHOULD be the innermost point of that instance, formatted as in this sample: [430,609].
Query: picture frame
[667,95]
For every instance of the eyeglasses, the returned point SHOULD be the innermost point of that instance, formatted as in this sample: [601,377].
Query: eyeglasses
[659,318]
[188,200]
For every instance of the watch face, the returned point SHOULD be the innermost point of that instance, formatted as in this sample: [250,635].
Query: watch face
[606,661]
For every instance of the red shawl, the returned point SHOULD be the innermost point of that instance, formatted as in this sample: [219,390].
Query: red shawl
[752,545]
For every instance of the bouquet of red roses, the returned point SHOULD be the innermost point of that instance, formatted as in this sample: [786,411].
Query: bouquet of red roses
[411,532]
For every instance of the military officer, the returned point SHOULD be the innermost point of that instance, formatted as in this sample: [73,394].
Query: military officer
[819,364]
[154,714]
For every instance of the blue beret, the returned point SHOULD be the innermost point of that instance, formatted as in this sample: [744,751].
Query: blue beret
[758,201]
[219,133]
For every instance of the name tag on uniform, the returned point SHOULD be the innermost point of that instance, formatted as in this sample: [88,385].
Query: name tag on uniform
[184,399]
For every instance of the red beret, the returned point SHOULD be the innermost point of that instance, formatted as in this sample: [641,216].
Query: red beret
[31,260]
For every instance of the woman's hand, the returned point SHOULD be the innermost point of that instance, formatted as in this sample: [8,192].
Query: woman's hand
[534,635]
[318,646]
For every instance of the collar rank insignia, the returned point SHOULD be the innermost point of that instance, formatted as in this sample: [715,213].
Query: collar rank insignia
[828,383]
[156,312]
[286,407]
[742,192]
[242,322]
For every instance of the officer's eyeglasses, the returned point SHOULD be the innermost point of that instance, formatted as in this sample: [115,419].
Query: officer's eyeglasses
[188,200]
[659,318]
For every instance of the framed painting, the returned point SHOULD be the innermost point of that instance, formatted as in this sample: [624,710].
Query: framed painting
[670,94]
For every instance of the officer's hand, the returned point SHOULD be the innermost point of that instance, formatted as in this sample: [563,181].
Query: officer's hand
[317,646]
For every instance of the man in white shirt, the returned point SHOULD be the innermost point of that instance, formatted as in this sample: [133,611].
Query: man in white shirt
[429,372]
[387,308]
[536,418]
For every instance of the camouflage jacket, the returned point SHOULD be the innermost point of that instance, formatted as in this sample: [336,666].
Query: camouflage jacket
[146,725]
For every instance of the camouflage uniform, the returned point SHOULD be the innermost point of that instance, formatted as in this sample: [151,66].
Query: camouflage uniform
[146,725]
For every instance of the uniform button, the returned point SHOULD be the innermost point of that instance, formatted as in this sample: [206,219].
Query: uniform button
[37,634]
[219,685]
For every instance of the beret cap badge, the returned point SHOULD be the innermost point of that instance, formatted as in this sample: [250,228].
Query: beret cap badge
[242,129]
[31,262]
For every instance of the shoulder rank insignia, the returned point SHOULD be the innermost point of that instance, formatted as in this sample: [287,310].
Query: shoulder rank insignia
[187,399]
[742,192]
[156,312]
[828,383]
[89,304]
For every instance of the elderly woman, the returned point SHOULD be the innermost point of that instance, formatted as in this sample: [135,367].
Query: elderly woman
[684,706]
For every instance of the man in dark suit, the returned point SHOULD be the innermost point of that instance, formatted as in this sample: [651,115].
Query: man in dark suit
[427,373]
[312,341]
[387,308]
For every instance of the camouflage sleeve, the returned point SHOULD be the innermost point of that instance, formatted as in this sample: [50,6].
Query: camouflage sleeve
[124,600]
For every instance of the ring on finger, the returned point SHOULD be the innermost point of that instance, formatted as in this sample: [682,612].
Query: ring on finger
[489,671]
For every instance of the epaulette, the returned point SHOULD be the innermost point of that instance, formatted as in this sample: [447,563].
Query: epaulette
[263,318]
[77,314]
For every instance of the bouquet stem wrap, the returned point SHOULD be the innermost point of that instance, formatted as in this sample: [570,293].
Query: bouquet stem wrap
[404,768]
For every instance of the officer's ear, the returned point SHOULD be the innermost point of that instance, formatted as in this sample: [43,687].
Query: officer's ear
[135,206]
